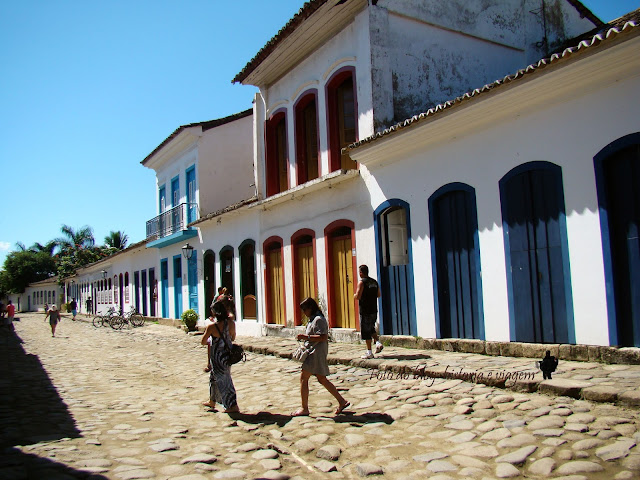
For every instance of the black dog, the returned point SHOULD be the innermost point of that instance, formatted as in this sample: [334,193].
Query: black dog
[548,365]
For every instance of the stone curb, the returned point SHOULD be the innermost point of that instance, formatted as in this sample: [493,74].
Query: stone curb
[579,353]
[557,387]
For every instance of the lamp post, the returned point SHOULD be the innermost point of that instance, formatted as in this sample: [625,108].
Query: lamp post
[187,251]
[104,274]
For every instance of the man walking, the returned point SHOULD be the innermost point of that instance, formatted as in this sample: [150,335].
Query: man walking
[74,308]
[367,295]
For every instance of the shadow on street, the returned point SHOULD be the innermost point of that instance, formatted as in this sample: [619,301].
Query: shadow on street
[31,411]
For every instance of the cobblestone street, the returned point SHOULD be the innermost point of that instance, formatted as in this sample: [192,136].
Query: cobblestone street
[98,403]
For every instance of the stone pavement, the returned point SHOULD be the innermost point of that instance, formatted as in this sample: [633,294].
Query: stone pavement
[598,382]
[98,403]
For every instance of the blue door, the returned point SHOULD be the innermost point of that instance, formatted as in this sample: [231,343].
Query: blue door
[162,207]
[395,269]
[537,262]
[144,292]
[175,201]
[191,195]
[618,176]
[177,285]
[456,262]
[164,280]
[136,290]
[192,277]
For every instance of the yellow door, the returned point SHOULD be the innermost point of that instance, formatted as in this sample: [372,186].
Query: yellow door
[276,302]
[343,283]
[305,274]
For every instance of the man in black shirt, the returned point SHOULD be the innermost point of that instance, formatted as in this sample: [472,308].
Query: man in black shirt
[367,295]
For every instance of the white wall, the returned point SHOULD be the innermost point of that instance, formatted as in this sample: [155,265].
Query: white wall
[568,133]
[225,167]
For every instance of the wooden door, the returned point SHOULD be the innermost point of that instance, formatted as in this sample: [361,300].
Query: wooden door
[622,190]
[343,283]
[305,275]
[532,203]
[454,230]
[274,287]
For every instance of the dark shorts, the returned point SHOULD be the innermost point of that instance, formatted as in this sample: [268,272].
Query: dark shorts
[368,325]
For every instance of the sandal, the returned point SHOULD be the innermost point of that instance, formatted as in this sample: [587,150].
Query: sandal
[300,413]
[341,408]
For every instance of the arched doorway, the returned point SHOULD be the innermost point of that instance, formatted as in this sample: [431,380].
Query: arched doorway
[341,268]
[618,183]
[247,251]
[395,268]
[305,282]
[535,237]
[274,281]
[226,269]
[456,262]
[209,262]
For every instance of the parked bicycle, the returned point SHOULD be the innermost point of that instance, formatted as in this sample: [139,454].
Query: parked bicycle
[105,319]
[133,318]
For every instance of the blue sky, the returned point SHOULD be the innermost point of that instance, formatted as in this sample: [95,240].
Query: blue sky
[88,89]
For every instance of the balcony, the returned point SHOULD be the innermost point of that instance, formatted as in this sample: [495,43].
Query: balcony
[171,226]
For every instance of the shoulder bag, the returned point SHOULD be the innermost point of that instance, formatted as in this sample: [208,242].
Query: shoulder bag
[234,354]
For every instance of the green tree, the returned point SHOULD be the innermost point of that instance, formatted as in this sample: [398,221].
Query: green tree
[73,241]
[117,240]
[47,248]
[23,267]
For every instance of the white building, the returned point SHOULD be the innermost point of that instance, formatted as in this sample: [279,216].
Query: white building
[498,214]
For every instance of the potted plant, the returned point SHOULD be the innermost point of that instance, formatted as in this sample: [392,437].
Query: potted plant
[190,318]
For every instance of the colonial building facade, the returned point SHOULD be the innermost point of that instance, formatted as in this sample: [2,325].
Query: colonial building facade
[493,194]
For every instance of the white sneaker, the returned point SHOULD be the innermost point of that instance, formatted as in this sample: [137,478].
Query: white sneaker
[367,355]
[379,347]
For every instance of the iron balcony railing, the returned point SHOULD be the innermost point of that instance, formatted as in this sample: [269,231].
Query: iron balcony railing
[172,221]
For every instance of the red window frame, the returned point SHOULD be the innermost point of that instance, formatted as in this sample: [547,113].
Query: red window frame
[342,74]
[302,162]
[272,169]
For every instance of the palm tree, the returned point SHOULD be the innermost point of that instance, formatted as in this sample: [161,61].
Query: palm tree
[48,247]
[74,241]
[117,240]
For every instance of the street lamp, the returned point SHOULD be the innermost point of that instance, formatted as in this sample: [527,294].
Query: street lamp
[187,251]
[104,273]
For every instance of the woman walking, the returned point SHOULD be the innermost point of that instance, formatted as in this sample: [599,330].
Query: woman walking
[54,318]
[222,333]
[317,338]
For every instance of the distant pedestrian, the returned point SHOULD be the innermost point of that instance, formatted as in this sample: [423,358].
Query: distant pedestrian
[54,318]
[222,331]
[89,305]
[316,338]
[11,312]
[74,308]
[367,295]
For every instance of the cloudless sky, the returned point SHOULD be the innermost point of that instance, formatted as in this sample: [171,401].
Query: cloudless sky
[89,89]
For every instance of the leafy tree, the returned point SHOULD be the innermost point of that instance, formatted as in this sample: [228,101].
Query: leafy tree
[24,267]
[48,247]
[73,241]
[117,240]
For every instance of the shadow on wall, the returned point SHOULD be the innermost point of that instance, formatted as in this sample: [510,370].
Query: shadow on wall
[31,412]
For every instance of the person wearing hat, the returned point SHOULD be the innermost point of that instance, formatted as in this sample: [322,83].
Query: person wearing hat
[54,318]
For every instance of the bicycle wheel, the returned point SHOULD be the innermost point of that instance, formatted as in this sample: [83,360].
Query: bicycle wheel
[137,320]
[116,322]
[98,322]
